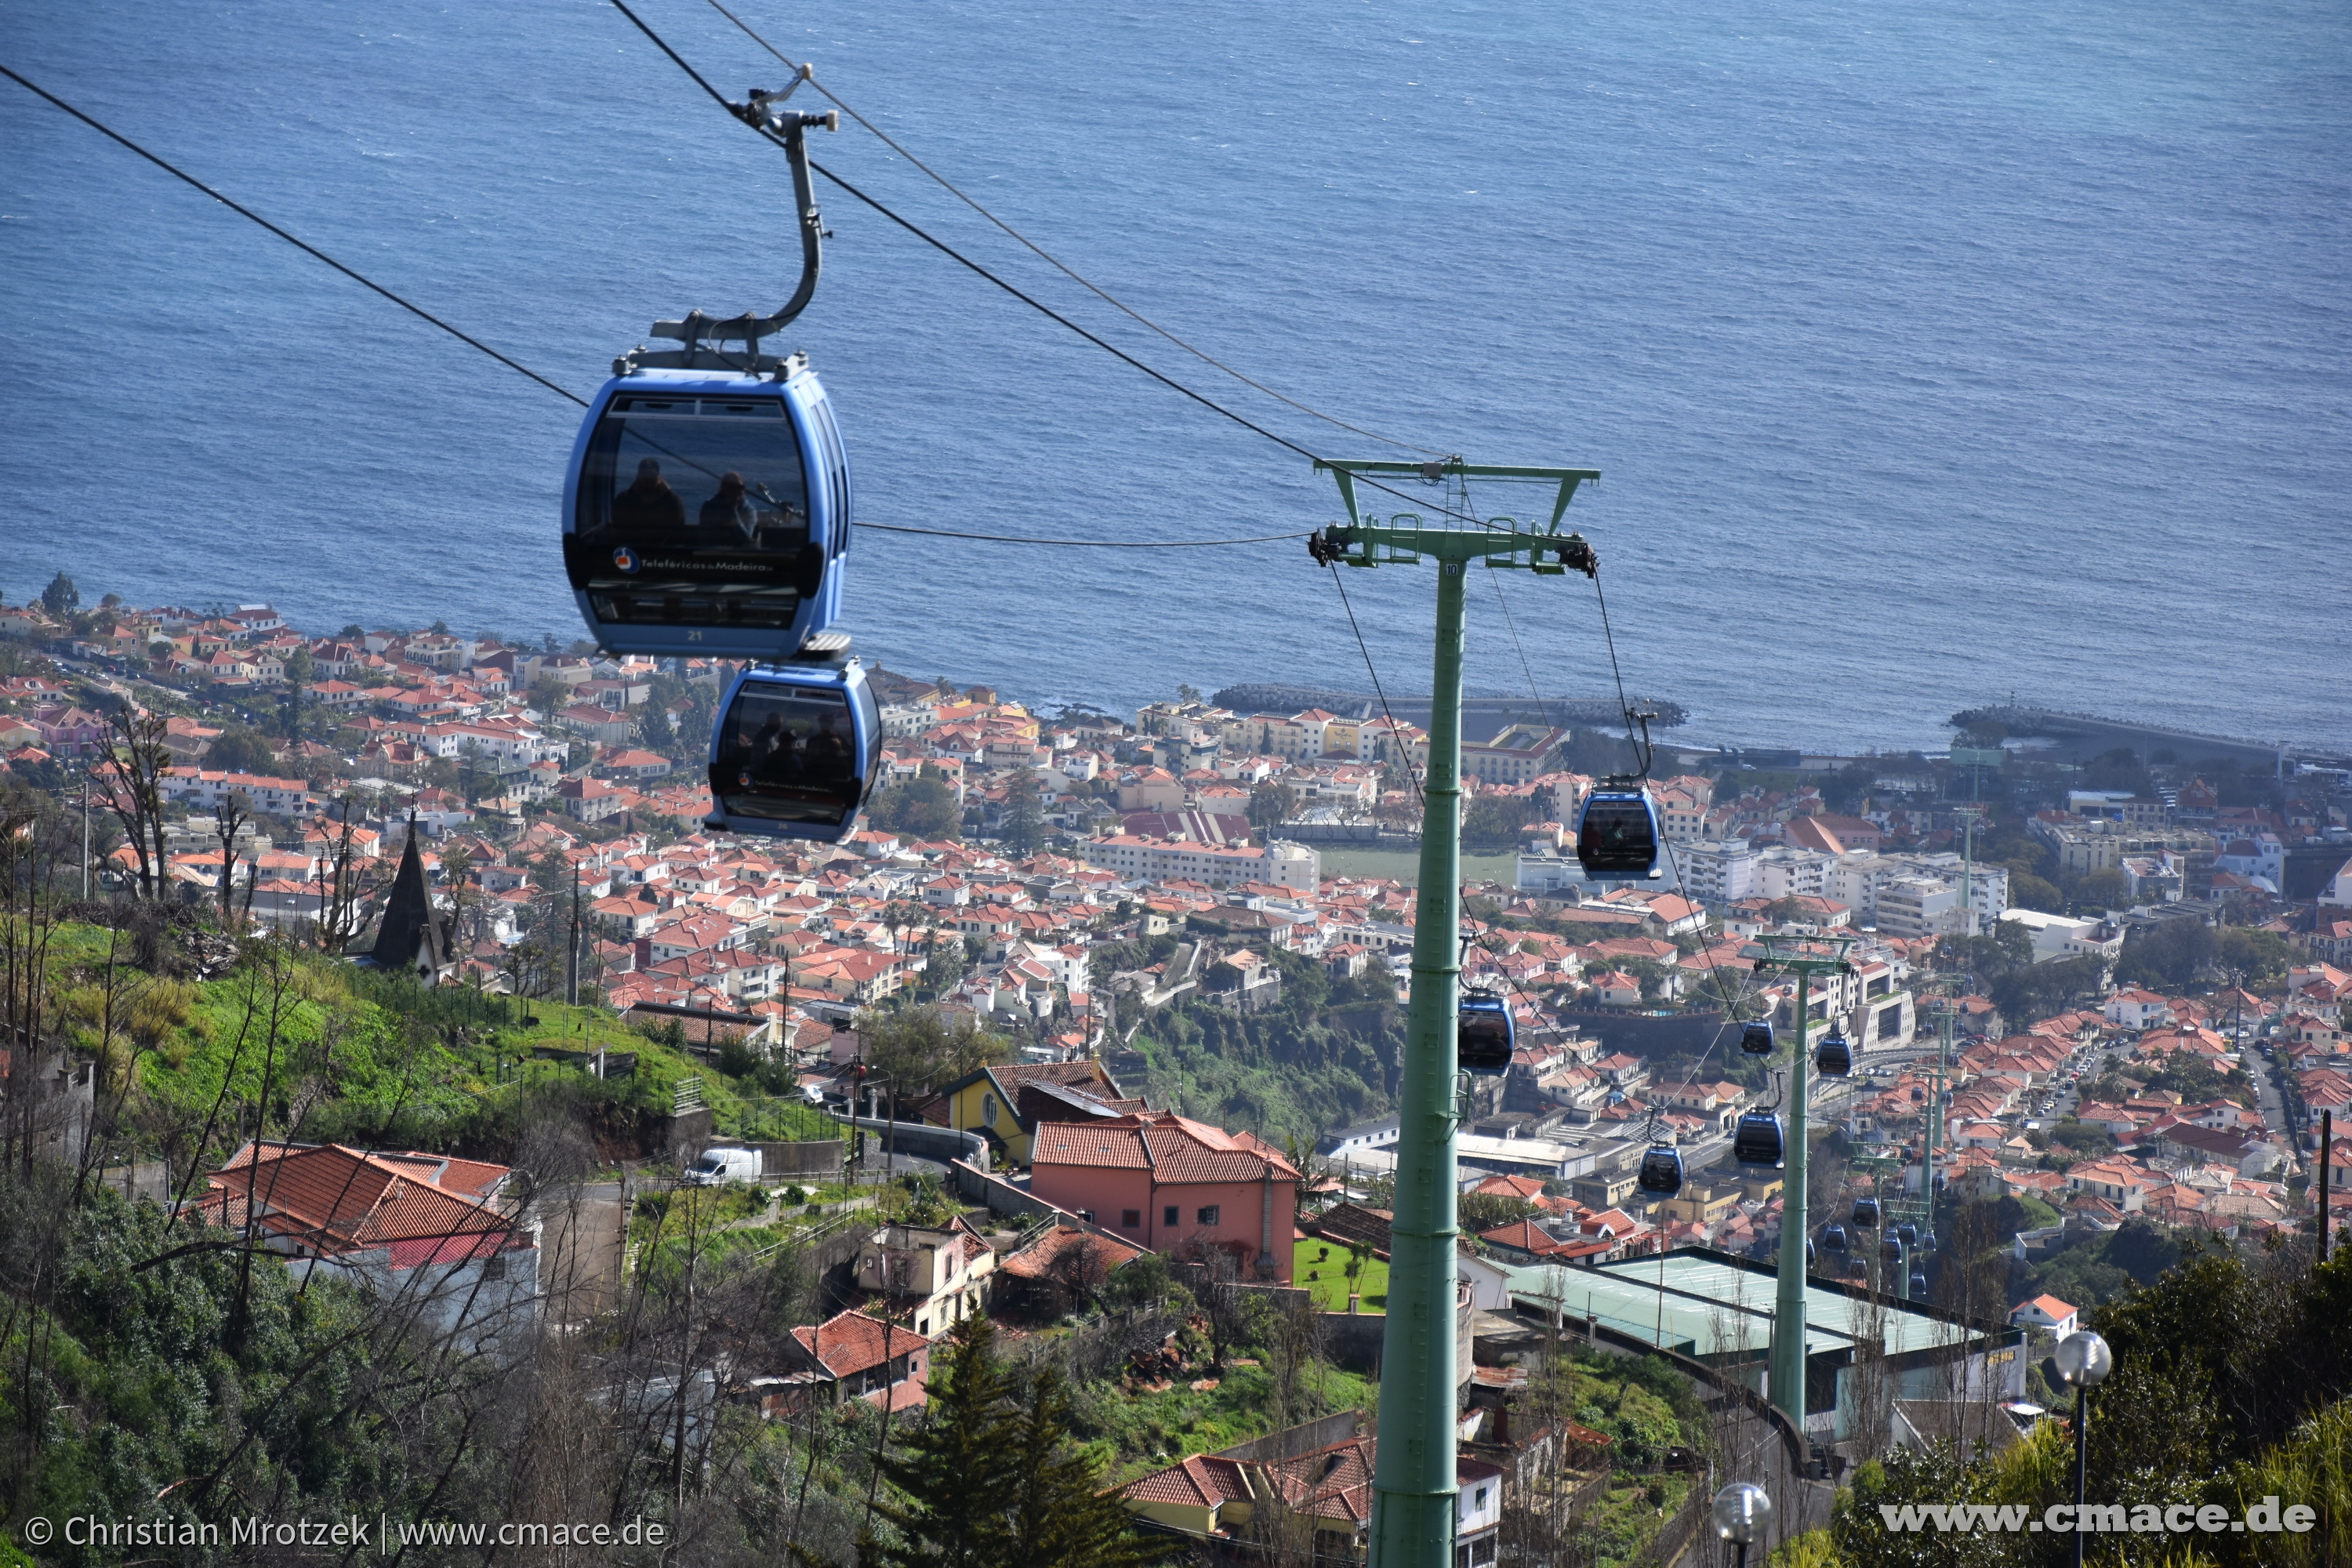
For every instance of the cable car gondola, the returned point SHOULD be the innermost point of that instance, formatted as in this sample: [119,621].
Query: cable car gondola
[1757,1140]
[795,751]
[1661,1171]
[1617,835]
[707,514]
[1834,1057]
[1891,1250]
[1909,1235]
[1756,1039]
[1482,1035]
[706,507]
[1833,1237]
[1865,1214]
[1919,1287]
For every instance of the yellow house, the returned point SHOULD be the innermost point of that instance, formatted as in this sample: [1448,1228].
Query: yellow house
[1700,1205]
[1002,1104]
[1344,738]
[1204,1494]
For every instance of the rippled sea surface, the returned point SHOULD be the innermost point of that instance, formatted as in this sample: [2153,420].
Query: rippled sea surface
[1932,352]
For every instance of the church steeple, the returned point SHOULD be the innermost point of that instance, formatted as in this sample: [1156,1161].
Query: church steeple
[411,937]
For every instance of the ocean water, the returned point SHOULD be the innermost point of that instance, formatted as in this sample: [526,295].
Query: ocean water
[1932,352]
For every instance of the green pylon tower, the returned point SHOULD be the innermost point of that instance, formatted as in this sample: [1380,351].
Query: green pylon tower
[1804,957]
[1414,1501]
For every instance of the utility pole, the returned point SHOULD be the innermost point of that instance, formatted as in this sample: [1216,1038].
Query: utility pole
[1413,1481]
[84,833]
[1971,816]
[571,954]
[1803,957]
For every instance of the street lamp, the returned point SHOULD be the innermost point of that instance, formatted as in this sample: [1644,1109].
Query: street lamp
[2084,1362]
[1741,1511]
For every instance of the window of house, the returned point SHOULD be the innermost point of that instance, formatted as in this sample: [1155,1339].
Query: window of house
[1168,1216]
[923,1326]
[1130,1219]
[1208,1214]
[988,1109]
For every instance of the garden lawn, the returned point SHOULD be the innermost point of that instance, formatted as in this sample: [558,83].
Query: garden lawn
[1331,1287]
[1134,1433]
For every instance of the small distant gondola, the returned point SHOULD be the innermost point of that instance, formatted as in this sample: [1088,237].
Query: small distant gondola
[1617,835]
[1865,1214]
[1756,1039]
[1909,1235]
[795,751]
[1661,1171]
[1833,1237]
[1757,1139]
[1482,1035]
[1918,1286]
[1834,1056]
[1891,1250]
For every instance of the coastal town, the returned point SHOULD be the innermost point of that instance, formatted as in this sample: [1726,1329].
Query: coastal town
[2098,1011]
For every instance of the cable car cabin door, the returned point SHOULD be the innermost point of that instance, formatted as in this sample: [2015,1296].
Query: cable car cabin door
[705,514]
[794,753]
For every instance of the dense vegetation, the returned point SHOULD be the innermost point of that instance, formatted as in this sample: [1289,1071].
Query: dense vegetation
[2232,1381]
[1323,1056]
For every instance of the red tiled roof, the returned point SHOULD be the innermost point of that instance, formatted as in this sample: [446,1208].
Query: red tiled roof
[335,1199]
[1525,1235]
[1200,1480]
[1170,1146]
[852,1342]
[1033,1261]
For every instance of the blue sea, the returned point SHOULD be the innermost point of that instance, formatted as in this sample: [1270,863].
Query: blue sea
[1932,352]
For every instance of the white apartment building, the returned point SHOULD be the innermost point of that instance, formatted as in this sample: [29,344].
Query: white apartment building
[1918,906]
[1297,867]
[1784,871]
[1715,872]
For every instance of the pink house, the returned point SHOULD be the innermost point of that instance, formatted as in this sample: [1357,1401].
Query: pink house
[1173,1186]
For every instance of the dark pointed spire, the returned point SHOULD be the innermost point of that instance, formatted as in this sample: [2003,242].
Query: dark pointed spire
[411,936]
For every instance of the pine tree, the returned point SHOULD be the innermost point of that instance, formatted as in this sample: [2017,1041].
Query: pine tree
[1025,817]
[1060,1519]
[958,1467]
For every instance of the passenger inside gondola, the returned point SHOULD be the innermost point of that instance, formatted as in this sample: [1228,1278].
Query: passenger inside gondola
[788,757]
[648,508]
[728,509]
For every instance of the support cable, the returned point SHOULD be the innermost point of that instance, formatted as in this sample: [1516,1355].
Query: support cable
[1053,260]
[302,245]
[1405,753]
[949,251]
[520,368]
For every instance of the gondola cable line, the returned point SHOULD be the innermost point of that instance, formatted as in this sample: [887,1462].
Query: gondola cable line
[753,116]
[564,391]
[807,73]
[305,246]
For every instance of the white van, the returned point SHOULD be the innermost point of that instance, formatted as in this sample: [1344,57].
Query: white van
[719,1166]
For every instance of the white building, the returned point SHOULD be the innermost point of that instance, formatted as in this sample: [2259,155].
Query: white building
[2064,936]
[1715,872]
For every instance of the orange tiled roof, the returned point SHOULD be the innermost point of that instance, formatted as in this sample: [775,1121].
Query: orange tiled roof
[1173,1147]
[850,1343]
